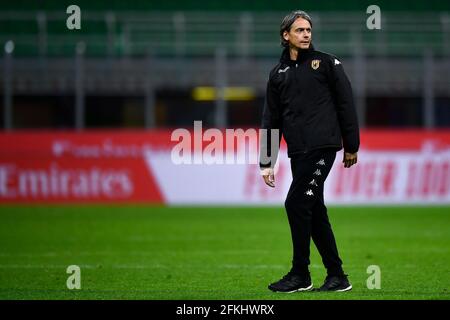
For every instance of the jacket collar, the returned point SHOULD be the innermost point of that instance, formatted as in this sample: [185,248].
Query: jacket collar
[303,55]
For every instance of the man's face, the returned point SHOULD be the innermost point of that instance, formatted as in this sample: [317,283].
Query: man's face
[299,36]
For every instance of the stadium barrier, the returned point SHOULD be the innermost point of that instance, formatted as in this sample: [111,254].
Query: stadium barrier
[394,167]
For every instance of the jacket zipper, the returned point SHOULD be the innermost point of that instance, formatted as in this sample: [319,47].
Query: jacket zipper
[301,138]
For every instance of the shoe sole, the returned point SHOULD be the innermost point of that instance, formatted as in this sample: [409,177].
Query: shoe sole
[339,290]
[297,290]
[345,289]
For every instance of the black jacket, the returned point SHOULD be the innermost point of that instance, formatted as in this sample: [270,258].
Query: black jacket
[311,102]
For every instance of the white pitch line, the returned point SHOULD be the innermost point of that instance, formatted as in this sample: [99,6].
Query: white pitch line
[137,253]
[148,266]
[43,266]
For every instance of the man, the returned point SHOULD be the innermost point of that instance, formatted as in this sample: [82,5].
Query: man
[309,100]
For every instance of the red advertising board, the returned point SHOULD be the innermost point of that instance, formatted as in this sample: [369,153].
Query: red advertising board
[78,167]
[137,167]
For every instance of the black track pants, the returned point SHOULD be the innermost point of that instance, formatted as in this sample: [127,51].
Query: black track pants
[307,213]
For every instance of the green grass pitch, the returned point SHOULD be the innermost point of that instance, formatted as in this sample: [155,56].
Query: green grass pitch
[140,252]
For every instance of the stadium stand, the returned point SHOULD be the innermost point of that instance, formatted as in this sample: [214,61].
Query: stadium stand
[121,47]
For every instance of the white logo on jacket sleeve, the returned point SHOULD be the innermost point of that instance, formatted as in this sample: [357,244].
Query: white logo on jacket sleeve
[283,70]
[336,61]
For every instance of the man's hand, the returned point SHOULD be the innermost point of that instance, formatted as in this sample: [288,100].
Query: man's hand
[269,177]
[350,159]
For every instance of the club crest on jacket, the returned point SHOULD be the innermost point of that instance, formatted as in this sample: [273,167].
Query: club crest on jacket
[315,64]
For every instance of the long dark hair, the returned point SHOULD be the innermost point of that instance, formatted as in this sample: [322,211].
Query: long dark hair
[287,22]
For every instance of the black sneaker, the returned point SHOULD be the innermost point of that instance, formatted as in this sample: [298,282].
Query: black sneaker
[336,283]
[292,283]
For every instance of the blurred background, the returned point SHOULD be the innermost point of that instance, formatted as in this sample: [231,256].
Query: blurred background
[111,92]
[152,64]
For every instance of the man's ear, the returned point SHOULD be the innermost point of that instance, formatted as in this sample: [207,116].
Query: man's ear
[286,35]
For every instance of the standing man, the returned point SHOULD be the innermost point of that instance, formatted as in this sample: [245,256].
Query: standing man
[309,100]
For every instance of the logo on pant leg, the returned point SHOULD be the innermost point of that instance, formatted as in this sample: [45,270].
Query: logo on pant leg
[317,172]
[309,193]
[321,162]
[313,182]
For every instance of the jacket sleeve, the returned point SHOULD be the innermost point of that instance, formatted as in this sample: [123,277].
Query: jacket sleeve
[271,119]
[345,107]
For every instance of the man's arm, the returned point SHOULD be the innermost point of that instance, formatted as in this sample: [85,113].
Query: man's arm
[270,120]
[346,112]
